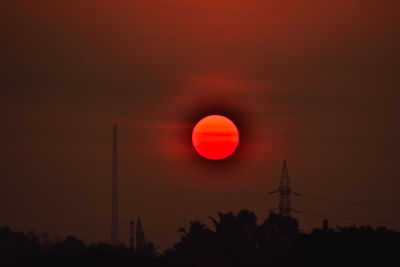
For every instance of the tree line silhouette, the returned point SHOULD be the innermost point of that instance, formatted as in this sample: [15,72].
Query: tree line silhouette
[234,240]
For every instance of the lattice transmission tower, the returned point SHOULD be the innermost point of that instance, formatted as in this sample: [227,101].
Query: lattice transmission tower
[285,206]
[140,239]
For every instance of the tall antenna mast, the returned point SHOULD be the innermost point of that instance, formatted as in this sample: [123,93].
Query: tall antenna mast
[114,220]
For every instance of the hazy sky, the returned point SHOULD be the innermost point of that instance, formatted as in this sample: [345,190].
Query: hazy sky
[313,82]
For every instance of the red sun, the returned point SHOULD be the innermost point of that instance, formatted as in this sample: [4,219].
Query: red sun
[215,137]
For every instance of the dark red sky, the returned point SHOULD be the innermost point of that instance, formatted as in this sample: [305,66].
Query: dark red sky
[315,82]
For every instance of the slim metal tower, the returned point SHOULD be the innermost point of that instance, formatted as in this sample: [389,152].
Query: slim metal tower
[140,240]
[114,220]
[284,190]
[131,237]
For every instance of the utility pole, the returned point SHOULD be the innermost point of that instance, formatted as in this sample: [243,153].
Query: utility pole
[114,216]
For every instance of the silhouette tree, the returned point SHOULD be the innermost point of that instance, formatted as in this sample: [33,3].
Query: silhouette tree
[196,245]
[279,228]
[237,239]
[236,235]
[16,247]
[233,240]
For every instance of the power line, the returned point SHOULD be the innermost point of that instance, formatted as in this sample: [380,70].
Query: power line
[352,202]
[349,218]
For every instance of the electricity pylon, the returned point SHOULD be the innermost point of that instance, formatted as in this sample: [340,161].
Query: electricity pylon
[285,206]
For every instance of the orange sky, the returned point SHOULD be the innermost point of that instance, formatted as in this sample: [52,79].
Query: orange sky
[315,82]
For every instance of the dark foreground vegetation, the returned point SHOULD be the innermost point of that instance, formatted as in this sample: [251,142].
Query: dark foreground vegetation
[235,240]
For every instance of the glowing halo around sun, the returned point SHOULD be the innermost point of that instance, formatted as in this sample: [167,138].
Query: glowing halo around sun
[215,137]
